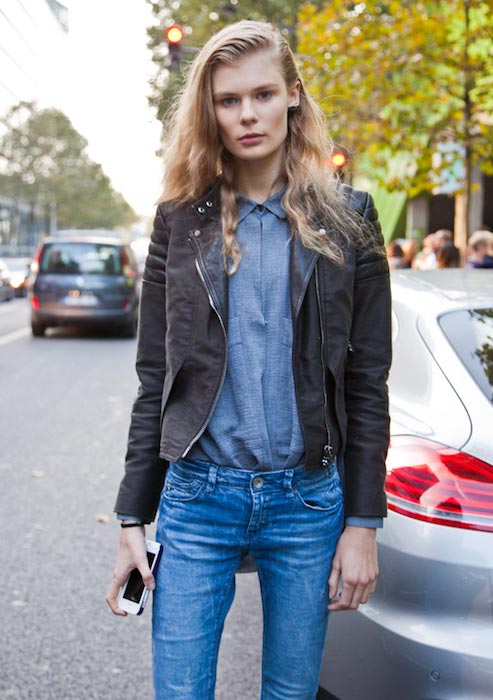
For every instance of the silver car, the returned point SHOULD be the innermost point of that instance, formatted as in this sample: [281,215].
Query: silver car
[427,632]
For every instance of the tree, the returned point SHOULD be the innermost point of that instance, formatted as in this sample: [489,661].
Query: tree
[43,161]
[404,82]
[200,20]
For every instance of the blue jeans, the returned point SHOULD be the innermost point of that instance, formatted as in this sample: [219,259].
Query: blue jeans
[209,518]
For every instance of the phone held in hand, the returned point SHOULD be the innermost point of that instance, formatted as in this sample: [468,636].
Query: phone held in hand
[133,595]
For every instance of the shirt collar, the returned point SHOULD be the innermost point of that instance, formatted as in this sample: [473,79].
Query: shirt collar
[273,204]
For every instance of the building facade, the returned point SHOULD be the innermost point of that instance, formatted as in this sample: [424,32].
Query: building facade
[33,44]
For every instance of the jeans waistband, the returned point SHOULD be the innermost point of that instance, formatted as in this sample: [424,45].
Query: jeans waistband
[244,478]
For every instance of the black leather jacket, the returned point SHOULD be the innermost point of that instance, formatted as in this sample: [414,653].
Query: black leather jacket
[341,354]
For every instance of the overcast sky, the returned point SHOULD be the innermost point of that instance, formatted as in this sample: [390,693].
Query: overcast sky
[107,97]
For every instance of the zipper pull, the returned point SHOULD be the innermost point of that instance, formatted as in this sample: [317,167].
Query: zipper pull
[328,456]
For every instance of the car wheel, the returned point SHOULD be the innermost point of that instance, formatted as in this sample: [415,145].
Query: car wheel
[38,329]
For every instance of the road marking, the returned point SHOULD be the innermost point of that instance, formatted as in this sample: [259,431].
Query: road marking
[15,335]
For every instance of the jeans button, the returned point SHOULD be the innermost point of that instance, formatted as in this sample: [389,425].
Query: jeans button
[258,482]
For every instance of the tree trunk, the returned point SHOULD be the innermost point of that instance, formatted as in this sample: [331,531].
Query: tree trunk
[462,199]
[460,222]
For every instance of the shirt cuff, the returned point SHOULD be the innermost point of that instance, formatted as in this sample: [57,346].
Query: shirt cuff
[355,521]
[132,518]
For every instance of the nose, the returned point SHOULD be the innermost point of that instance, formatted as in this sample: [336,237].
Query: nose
[247,114]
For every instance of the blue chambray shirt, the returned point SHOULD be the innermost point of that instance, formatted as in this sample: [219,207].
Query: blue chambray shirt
[255,424]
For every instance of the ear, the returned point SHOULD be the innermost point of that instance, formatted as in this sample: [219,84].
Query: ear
[294,95]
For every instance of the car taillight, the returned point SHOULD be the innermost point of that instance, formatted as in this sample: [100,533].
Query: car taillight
[429,481]
[35,302]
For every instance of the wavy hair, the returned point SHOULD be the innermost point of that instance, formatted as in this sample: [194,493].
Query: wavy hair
[194,157]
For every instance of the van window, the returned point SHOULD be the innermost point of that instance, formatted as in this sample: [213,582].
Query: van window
[80,259]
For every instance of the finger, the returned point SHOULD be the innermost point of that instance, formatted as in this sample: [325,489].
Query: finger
[360,596]
[343,602]
[147,577]
[112,598]
[334,578]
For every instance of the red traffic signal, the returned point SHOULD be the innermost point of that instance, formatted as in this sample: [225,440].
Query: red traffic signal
[338,160]
[174,35]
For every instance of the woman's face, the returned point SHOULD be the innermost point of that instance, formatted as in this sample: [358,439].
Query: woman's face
[251,103]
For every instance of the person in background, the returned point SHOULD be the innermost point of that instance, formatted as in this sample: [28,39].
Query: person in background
[426,260]
[395,256]
[410,248]
[480,250]
[261,423]
[448,255]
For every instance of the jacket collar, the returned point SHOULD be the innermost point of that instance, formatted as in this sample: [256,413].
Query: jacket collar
[209,204]
[207,209]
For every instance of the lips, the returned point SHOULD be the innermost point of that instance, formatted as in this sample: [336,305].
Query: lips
[251,138]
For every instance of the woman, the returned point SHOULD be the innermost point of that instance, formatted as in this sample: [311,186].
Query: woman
[264,348]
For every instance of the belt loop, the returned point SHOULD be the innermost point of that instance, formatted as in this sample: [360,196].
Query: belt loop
[211,479]
[288,482]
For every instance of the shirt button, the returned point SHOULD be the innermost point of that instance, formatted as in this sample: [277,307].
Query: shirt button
[258,482]
[260,208]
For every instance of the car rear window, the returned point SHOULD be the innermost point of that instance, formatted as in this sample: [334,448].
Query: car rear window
[81,259]
[470,332]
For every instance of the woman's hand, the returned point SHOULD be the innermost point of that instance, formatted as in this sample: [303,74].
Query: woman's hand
[355,565]
[132,554]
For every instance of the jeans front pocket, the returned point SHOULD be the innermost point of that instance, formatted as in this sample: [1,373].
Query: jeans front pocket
[180,487]
[320,489]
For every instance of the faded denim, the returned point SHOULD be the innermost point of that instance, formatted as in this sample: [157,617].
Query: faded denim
[209,518]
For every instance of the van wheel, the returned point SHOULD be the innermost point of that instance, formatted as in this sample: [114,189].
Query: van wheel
[38,329]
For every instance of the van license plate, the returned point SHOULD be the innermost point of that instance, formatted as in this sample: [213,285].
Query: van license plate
[76,298]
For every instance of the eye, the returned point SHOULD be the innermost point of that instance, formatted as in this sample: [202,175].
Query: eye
[264,95]
[227,101]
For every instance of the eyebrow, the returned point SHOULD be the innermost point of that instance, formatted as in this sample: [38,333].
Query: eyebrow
[257,88]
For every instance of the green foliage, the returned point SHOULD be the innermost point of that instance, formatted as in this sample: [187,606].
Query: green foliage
[200,20]
[43,161]
[399,77]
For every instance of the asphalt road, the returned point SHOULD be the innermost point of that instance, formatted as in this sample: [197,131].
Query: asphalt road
[64,410]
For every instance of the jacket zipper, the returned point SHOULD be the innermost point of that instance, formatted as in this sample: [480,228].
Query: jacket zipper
[199,264]
[328,453]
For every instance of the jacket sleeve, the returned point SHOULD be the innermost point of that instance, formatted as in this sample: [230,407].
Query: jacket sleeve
[367,369]
[142,483]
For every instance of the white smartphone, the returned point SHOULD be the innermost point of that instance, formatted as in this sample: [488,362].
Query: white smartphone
[133,595]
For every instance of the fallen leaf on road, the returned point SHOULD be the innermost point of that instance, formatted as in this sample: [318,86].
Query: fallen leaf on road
[102,518]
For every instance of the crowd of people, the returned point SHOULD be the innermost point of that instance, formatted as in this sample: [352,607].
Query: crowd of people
[438,251]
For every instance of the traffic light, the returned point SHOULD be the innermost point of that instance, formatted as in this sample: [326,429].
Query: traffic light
[174,37]
[338,160]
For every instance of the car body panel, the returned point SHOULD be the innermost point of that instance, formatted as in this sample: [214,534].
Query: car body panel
[427,632]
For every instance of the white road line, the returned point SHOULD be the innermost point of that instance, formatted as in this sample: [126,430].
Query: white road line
[15,335]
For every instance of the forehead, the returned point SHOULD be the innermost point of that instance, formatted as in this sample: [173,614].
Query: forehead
[247,73]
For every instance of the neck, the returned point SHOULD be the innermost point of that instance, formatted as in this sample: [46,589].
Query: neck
[258,181]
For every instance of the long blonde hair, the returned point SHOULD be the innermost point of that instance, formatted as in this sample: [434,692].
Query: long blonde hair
[194,157]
